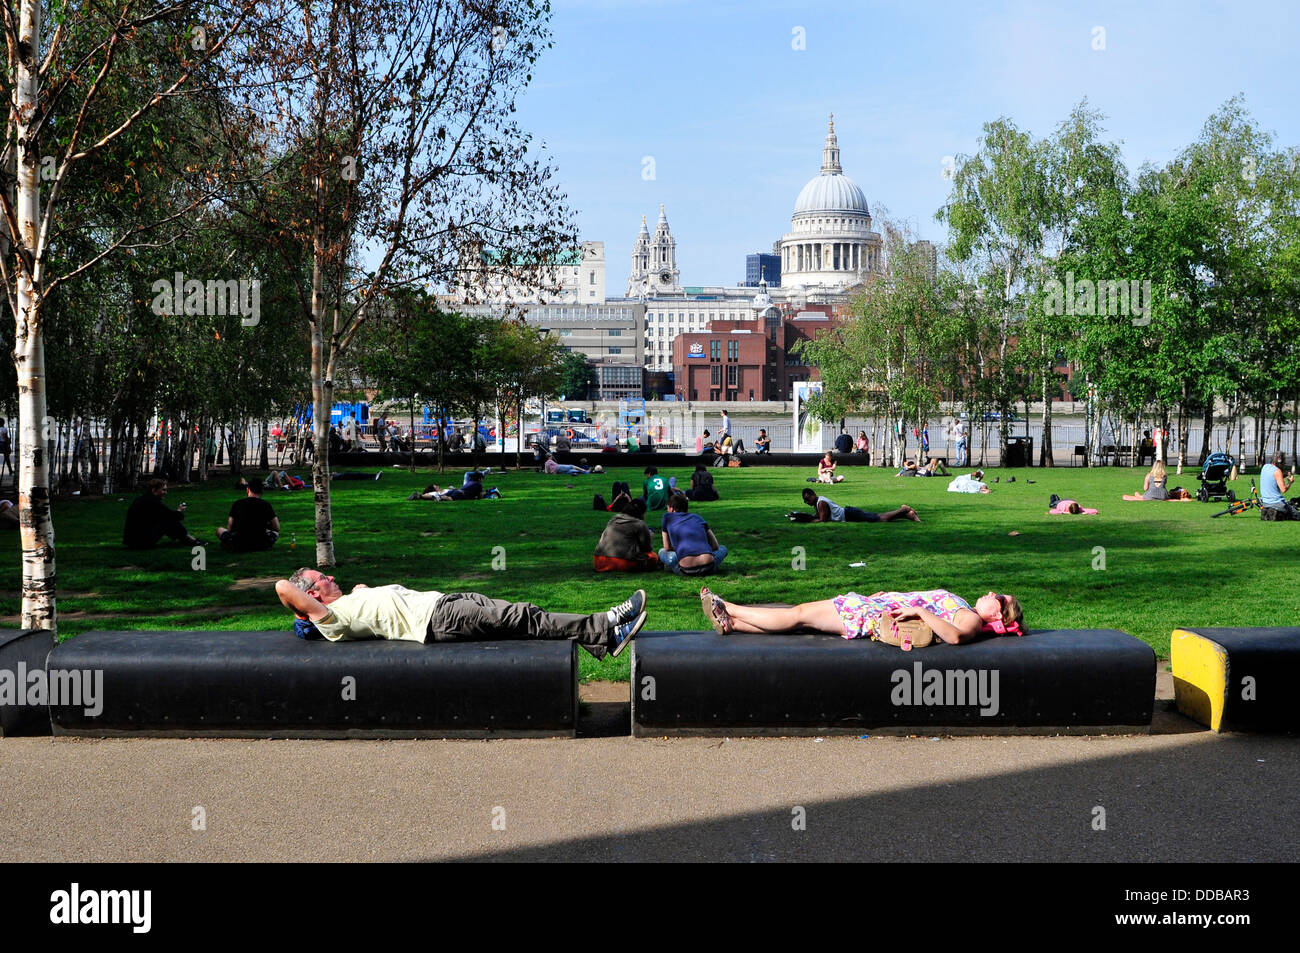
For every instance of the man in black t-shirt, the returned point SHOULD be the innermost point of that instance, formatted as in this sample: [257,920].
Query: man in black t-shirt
[252,525]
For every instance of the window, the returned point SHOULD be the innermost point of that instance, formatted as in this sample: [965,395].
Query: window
[715,374]
[615,350]
[731,375]
[733,350]
[713,395]
[592,275]
[615,332]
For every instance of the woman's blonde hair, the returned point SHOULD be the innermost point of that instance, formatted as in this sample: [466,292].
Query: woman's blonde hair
[1011,611]
[1158,471]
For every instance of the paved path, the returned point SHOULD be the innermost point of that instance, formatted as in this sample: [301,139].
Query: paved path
[1178,794]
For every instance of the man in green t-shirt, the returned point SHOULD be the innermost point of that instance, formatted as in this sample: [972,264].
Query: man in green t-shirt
[395,612]
[654,490]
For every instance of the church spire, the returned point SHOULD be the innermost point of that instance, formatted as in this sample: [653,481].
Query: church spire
[831,153]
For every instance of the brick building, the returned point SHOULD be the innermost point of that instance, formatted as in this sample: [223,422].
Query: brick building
[747,360]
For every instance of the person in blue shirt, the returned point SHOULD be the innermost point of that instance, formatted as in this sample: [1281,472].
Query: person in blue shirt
[690,548]
[1273,484]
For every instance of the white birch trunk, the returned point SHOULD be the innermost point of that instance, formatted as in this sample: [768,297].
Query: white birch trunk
[36,527]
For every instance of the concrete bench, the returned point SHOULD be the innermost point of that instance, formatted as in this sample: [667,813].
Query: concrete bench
[1237,679]
[22,652]
[1093,681]
[275,685]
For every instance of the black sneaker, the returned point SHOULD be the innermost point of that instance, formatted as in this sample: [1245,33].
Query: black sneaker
[1053,501]
[624,634]
[628,610]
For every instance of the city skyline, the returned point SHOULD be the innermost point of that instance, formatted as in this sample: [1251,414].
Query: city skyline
[714,110]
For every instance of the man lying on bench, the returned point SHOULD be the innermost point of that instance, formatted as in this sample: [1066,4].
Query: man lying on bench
[395,612]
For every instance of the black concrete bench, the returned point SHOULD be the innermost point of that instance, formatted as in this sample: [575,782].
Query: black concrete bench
[275,685]
[22,651]
[1093,681]
[1237,679]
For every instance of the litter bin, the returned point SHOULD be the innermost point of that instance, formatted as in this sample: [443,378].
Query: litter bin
[1020,452]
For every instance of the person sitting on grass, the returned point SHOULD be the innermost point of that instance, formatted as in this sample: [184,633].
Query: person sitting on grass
[826,469]
[855,616]
[395,612]
[828,511]
[569,469]
[702,490]
[8,515]
[972,483]
[252,525]
[934,467]
[149,519]
[654,491]
[1153,486]
[1273,484]
[690,548]
[626,545]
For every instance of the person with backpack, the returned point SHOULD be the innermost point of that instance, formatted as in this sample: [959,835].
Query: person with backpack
[701,490]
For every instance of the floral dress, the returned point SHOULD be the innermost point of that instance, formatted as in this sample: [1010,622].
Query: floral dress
[861,615]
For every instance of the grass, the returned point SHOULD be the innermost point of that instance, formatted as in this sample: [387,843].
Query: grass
[1166,564]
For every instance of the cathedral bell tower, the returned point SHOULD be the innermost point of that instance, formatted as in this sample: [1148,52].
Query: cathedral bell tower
[654,261]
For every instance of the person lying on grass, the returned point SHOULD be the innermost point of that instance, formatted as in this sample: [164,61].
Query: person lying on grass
[933,467]
[828,511]
[855,616]
[395,612]
[1060,507]
[969,484]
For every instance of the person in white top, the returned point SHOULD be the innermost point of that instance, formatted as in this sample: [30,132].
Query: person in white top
[969,483]
[396,612]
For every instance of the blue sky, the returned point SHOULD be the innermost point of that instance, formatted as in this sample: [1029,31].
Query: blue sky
[735,117]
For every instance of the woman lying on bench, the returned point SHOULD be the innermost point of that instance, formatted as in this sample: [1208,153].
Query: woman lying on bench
[855,616]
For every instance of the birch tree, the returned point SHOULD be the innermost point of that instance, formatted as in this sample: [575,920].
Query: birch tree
[405,166]
[75,97]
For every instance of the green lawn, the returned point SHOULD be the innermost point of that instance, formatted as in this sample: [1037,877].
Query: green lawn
[1166,564]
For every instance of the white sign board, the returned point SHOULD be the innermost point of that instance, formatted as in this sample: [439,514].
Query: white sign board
[807,429]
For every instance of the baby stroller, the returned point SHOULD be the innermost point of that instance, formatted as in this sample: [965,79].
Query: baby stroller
[1214,478]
